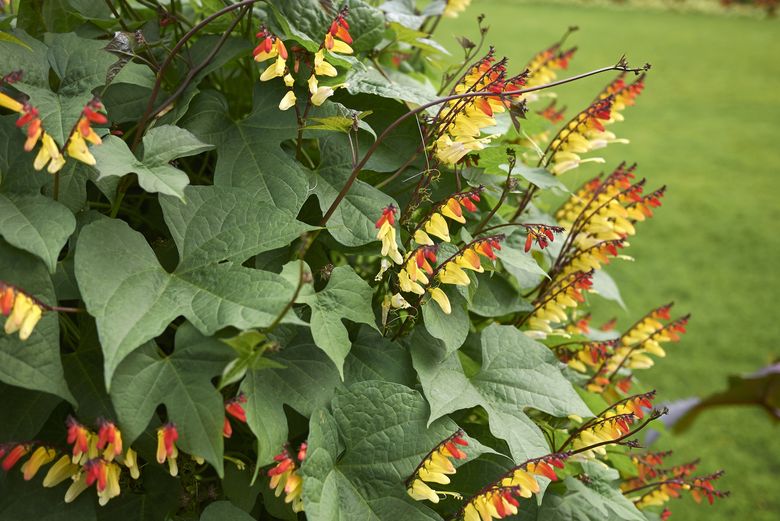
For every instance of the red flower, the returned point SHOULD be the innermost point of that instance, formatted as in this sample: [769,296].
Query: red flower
[96,471]
[235,409]
[14,455]
[388,215]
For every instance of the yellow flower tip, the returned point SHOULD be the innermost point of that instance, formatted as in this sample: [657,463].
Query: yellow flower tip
[441,299]
[313,84]
[322,67]
[454,274]
[289,80]
[288,101]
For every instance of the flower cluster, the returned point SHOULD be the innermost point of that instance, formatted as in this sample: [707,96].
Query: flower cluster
[551,304]
[285,478]
[611,425]
[23,311]
[583,355]
[337,40]
[452,209]
[499,500]
[586,131]
[541,234]
[96,458]
[654,485]
[435,468]
[76,142]
[234,407]
[635,345]
[460,122]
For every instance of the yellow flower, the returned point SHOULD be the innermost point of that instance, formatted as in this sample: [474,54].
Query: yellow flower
[77,149]
[288,101]
[422,238]
[322,67]
[131,462]
[454,274]
[387,235]
[313,84]
[78,486]
[49,154]
[322,93]
[289,80]
[441,299]
[25,315]
[60,471]
[437,227]
[40,457]
[10,103]
[275,70]
[435,468]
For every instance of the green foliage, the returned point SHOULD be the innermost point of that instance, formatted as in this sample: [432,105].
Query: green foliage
[206,275]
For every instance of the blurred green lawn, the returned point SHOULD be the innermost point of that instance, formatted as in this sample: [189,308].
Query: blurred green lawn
[708,126]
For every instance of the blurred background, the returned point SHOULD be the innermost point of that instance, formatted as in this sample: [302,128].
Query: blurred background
[708,127]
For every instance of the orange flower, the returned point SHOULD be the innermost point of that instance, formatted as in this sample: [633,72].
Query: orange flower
[13,456]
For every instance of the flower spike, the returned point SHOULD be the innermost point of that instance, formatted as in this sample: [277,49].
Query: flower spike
[435,467]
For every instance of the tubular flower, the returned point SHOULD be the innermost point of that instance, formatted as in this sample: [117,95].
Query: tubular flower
[235,409]
[435,467]
[41,456]
[23,311]
[96,471]
[455,7]
[552,304]
[288,100]
[14,455]
[270,46]
[111,490]
[460,122]
[166,447]
[337,39]
[130,461]
[60,471]
[387,234]
[285,478]
[542,234]
[78,436]
[110,439]
[500,499]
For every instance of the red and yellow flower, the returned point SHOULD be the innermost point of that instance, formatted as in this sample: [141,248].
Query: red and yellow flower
[167,435]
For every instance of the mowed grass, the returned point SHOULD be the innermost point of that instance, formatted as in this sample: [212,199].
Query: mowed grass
[707,126]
